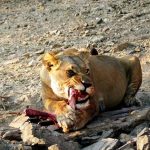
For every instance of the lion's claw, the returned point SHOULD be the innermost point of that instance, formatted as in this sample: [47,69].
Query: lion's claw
[67,119]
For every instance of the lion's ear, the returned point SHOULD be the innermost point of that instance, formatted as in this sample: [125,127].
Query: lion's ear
[49,60]
[93,51]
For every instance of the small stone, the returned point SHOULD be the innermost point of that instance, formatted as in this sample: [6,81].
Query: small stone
[109,43]
[54,147]
[139,128]
[47,42]
[137,49]
[32,9]
[56,46]
[19,121]
[54,32]
[104,144]
[106,20]
[124,137]
[25,25]
[108,133]
[18,26]
[99,20]
[143,139]
[25,43]
[31,63]
[143,142]
[39,57]
[40,51]
[28,135]
[121,46]
[105,29]
[12,61]
[12,135]
[77,14]
[85,24]
[4,145]
[106,50]
[26,55]
[98,39]
[52,127]
[145,131]
[86,33]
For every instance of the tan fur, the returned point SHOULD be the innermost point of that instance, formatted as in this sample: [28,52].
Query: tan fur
[112,80]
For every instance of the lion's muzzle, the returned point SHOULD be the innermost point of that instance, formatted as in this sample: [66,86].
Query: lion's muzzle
[79,99]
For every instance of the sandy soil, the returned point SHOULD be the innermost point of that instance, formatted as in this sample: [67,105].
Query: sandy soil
[28,28]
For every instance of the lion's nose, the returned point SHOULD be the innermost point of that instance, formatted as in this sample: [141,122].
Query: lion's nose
[86,85]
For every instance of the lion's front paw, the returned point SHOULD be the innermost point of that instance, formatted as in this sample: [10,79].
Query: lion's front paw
[67,118]
[130,101]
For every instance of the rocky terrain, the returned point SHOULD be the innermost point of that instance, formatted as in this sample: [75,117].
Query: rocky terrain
[28,28]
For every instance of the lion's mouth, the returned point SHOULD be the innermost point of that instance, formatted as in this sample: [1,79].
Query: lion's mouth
[78,99]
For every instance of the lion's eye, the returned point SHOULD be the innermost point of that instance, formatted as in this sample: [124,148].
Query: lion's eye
[70,73]
[87,71]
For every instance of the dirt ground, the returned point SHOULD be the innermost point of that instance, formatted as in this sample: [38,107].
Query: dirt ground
[28,28]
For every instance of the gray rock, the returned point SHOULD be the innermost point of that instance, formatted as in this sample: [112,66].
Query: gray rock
[143,142]
[104,144]
[54,147]
[12,135]
[139,128]
[124,137]
[98,39]
[99,20]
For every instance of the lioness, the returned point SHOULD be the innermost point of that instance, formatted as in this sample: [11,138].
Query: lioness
[102,82]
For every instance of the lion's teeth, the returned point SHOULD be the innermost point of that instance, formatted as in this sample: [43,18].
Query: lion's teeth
[81,99]
[82,105]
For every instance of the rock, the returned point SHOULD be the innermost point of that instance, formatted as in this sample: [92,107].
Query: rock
[7,145]
[138,49]
[25,25]
[47,42]
[106,20]
[19,121]
[57,45]
[105,29]
[31,63]
[84,141]
[139,128]
[145,131]
[54,32]
[143,142]
[54,147]
[12,61]
[25,43]
[18,26]
[98,39]
[104,144]
[99,20]
[33,134]
[143,139]
[86,33]
[124,137]
[40,51]
[106,50]
[109,43]
[3,145]
[12,135]
[107,133]
[39,58]
[28,135]
[26,55]
[121,46]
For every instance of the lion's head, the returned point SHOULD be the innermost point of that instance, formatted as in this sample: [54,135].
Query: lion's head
[69,70]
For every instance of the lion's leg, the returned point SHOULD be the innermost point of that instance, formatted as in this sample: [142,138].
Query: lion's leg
[135,80]
[65,115]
